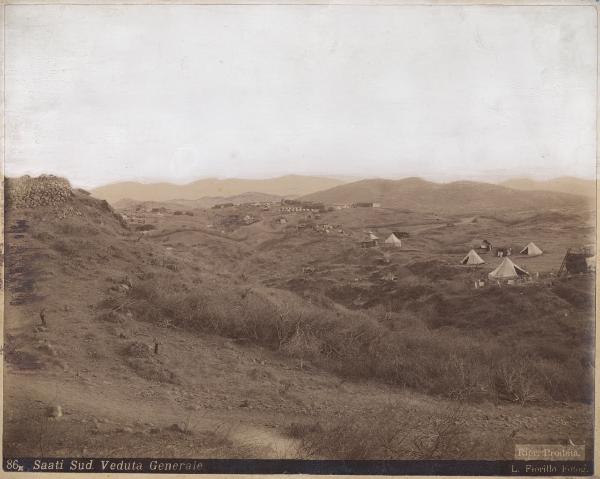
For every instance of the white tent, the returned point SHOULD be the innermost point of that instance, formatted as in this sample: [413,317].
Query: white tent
[531,250]
[472,259]
[372,237]
[393,240]
[508,270]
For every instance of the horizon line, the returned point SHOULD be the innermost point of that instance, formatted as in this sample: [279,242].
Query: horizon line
[345,179]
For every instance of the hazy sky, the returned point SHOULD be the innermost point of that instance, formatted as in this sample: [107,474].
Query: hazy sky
[106,93]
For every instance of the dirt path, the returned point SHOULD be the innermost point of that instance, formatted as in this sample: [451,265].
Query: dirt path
[79,401]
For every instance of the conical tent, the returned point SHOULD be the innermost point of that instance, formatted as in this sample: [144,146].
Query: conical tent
[472,258]
[531,250]
[372,236]
[393,240]
[507,270]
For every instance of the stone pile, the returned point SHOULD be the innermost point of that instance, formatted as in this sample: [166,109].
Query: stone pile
[45,190]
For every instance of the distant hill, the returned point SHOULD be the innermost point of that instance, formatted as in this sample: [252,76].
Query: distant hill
[420,195]
[288,186]
[564,184]
[205,202]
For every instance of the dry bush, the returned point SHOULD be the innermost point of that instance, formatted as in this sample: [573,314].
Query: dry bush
[137,349]
[153,370]
[484,344]
[25,359]
[43,236]
[581,298]
[568,381]
[516,380]
[71,228]
[65,247]
[392,432]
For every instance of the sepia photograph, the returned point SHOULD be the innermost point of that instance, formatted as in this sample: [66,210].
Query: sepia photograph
[299,238]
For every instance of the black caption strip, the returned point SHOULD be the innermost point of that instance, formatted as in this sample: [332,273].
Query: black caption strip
[290,466]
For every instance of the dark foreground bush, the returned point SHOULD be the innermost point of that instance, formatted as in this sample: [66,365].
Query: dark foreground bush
[396,432]
[578,297]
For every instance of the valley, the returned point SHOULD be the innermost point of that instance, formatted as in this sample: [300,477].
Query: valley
[246,331]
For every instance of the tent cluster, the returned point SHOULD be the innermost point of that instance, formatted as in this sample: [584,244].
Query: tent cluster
[507,270]
[393,240]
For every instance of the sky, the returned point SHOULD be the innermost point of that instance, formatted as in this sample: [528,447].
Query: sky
[101,94]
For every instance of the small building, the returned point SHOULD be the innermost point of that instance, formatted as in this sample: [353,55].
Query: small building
[485,245]
[591,263]
[219,206]
[366,204]
[249,219]
[368,244]
[577,263]
[373,237]
[291,209]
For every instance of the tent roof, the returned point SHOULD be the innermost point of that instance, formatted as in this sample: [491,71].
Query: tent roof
[472,258]
[372,236]
[393,239]
[507,270]
[531,249]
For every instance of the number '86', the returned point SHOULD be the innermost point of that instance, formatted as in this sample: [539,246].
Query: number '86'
[12,465]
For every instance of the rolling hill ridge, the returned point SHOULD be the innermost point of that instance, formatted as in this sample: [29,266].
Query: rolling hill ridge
[290,186]
[421,195]
[564,184]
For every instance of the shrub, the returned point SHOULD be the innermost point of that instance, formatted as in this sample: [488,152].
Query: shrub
[392,432]
[496,344]
[67,248]
[578,297]
[138,350]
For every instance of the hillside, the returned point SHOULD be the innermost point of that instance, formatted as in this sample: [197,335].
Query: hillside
[564,184]
[205,202]
[460,196]
[276,341]
[289,186]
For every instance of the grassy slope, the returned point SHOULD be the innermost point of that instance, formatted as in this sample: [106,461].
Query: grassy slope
[236,381]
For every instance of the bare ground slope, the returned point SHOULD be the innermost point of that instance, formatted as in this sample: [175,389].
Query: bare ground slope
[228,383]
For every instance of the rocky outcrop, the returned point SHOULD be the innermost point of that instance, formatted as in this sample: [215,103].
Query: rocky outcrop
[45,190]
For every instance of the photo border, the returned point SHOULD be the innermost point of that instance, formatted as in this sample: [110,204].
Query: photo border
[448,467]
